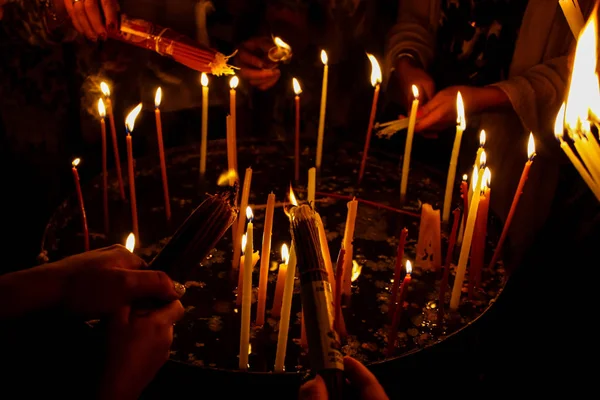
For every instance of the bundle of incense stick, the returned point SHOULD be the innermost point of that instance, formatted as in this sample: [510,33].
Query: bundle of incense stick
[167,42]
[317,302]
[198,235]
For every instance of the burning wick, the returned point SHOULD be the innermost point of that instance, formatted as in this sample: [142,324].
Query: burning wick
[281,52]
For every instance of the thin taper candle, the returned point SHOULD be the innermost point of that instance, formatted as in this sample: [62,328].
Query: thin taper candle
[129,124]
[376,82]
[102,113]
[284,321]
[240,222]
[312,183]
[204,137]
[233,83]
[161,153]
[264,262]
[460,127]
[109,111]
[247,294]
[297,90]
[408,146]
[321,131]
[84,226]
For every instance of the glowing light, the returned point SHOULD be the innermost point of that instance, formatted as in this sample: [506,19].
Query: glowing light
[465,177]
[375,70]
[244,240]
[130,242]
[415,91]
[531,146]
[76,162]
[226,176]
[105,89]
[101,109]
[408,267]
[158,97]
[460,112]
[487,178]
[559,124]
[280,43]
[130,120]
[249,214]
[292,197]
[204,79]
[482,138]
[474,178]
[296,84]
[356,270]
[324,58]
[285,254]
[234,82]
[482,159]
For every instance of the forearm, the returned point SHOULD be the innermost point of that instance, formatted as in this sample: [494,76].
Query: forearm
[34,289]
[488,98]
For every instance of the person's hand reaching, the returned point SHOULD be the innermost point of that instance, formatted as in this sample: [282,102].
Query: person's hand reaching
[139,344]
[255,66]
[100,282]
[87,18]
[361,380]
[408,73]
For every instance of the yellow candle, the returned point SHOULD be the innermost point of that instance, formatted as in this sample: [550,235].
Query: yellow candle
[247,294]
[481,182]
[280,285]
[264,263]
[232,170]
[286,307]
[323,107]
[408,147]
[460,127]
[240,222]
[204,138]
[582,147]
[325,251]
[573,15]
[348,247]
[312,182]
[482,140]
[233,83]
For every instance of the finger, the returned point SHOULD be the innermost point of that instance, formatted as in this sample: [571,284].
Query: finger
[79,11]
[122,258]
[121,316]
[109,7]
[263,43]
[429,90]
[93,13]
[313,389]
[151,284]
[169,314]
[248,59]
[363,380]
[429,120]
[258,74]
[74,21]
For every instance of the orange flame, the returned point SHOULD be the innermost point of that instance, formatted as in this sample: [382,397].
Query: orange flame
[408,267]
[356,270]
[296,85]
[531,147]
[226,177]
[204,79]
[234,82]
[158,97]
[105,89]
[324,57]
[130,242]
[460,112]
[293,197]
[285,254]
[101,108]
[130,120]
[375,70]
[280,43]
[76,162]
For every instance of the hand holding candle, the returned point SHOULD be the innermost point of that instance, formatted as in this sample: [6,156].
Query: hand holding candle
[204,137]
[460,127]
[86,234]
[408,146]
[129,124]
[376,82]
[321,130]
[109,111]
[161,153]
[102,114]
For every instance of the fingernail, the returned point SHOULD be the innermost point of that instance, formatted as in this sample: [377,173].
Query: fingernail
[179,288]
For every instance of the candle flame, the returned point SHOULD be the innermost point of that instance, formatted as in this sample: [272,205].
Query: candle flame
[234,82]
[530,147]
[285,254]
[460,112]
[559,124]
[101,109]
[483,159]
[226,177]
[582,92]
[280,43]
[465,177]
[415,91]
[293,197]
[244,240]
[474,178]
[356,270]
[130,120]
[105,89]
[324,58]
[408,267]
[76,162]
[296,85]
[487,178]
[204,79]
[249,214]
[130,242]
[482,138]
[375,70]
[158,97]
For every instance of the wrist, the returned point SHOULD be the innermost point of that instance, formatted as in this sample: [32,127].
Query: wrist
[487,98]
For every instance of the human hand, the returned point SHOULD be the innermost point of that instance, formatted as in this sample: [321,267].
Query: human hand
[102,281]
[139,344]
[255,66]
[86,17]
[362,382]
[408,73]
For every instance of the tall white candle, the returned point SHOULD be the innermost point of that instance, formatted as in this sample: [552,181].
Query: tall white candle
[247,294]
[321,131]
[460,127]
[284,322]
[408,146]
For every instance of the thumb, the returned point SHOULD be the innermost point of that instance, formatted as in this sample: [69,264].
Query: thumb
[152,284]
[314,389]
[168,314]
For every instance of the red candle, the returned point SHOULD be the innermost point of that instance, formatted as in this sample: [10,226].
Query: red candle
[102,113]
[86,235]
[478,244]
[129,123]
[303,339]
[297,90]
[464,192]
[161,152]
[393,331]
[515,202]
[339,276]
[233,83]
[444,281]
[397,272]
[113,131]
[375,81]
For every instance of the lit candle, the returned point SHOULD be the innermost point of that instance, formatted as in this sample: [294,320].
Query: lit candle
[280,284]
[284,321]
[312,183]
[397,272]
[264,263]
[204,138]
[481,180]
[408,146]
[376,82]
[478,246]
[348,247]
[102,114]
[233,84]
[399,307]
[129,124]
[280,52]
[255,257]
[240,221]
[109,111]
[460,128]
[247,294]
[86,234]
[130,242]
[573,15]
[515,202]
[231,153]
[429,244]
[297,90]
[321,130]
[161,152]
